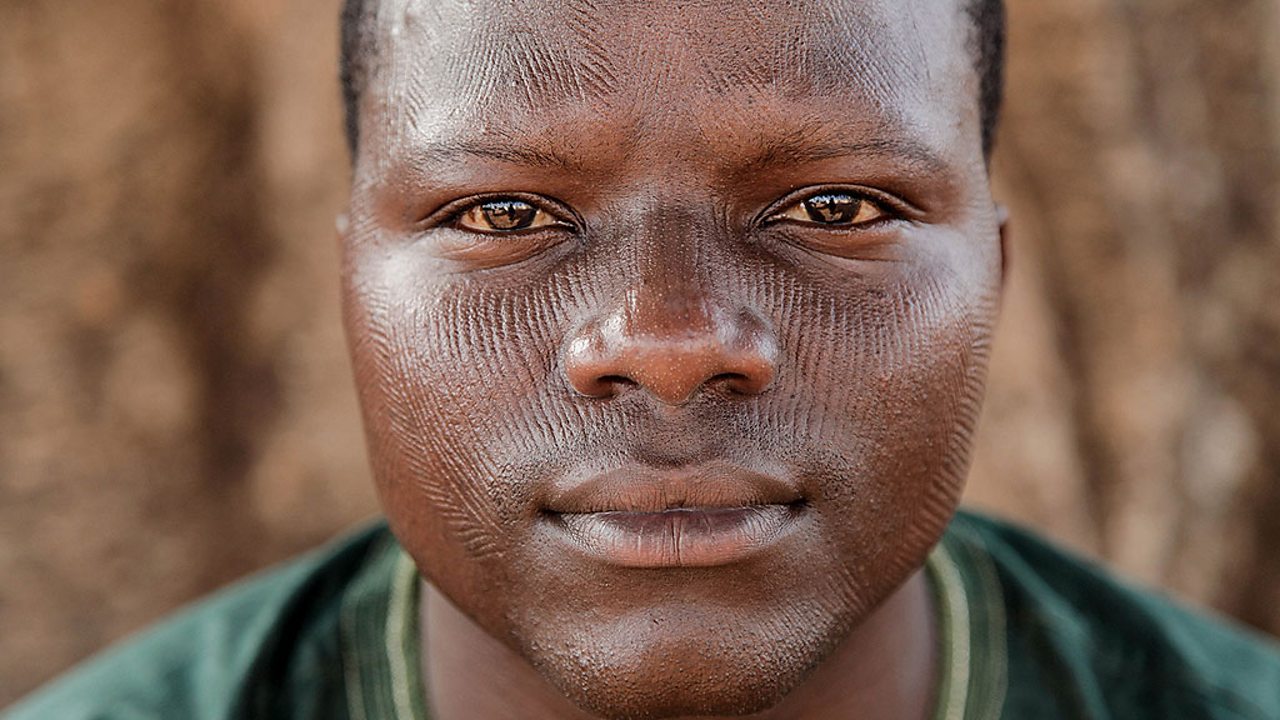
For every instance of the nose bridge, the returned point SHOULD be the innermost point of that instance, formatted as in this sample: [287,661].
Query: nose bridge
[671,330]
[670,297]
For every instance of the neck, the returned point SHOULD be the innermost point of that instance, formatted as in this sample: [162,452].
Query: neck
[886,667]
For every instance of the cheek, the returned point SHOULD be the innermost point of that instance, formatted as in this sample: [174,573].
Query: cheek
[880,399]
[456,381]
[418,387]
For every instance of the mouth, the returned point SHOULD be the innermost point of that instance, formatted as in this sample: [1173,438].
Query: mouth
[693,517]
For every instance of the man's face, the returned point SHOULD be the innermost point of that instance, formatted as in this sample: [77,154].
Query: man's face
[670,322]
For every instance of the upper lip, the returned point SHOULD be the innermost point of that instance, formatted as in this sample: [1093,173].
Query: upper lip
[642,489]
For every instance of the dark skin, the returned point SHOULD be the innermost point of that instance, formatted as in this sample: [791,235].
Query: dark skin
[670,326]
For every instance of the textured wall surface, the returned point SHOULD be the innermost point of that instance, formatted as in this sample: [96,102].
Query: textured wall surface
[175,406]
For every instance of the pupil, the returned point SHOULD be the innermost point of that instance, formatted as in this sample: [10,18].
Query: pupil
[508,214]
[833,208]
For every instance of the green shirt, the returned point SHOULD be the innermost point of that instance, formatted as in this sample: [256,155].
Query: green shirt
[1028,632]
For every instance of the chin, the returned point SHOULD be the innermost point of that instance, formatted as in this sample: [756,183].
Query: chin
[667,665]
[657,708]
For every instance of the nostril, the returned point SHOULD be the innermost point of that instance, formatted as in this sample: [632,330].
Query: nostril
[751,379]
[732,382]
[603,386]
[615,381]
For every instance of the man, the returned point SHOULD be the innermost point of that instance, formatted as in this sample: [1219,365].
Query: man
[670,323]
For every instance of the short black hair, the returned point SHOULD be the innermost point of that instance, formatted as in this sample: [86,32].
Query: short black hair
[352,68]
[987,42]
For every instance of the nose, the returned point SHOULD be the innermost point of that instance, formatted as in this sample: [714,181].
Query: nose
[670,338]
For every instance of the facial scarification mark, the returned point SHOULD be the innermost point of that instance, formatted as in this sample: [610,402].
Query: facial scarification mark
[534,68]
[875,358]
[411,415]
[599,79]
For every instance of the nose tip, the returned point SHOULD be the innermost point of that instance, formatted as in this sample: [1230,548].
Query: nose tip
[734,353]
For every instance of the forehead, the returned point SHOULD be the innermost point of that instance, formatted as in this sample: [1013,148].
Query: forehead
[455,69]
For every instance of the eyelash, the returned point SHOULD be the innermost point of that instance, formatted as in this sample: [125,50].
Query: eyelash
[449,214]
[894,209]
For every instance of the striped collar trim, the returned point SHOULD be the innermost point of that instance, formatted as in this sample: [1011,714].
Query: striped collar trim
[379,629]
[971,623]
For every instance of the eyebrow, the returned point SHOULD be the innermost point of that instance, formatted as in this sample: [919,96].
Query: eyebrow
[798,147]
[449,151]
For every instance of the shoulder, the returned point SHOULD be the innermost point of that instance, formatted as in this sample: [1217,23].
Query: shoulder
[229,656]
[1105,648]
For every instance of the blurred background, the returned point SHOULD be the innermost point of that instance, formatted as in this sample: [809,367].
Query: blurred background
[175,403]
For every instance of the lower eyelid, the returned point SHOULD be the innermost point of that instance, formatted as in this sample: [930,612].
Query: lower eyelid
[884,207]
[886,217]
[881,224]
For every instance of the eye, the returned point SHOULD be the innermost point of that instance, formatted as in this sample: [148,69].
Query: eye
[504,215]
[834,209]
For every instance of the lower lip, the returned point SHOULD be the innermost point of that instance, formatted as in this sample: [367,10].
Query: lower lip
[682,537]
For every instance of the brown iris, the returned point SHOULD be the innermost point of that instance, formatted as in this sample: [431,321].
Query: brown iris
[503,215]
[841,209]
